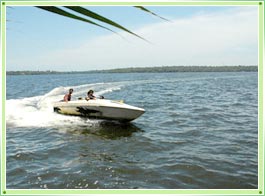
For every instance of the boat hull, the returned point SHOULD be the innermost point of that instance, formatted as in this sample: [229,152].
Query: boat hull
[100,109]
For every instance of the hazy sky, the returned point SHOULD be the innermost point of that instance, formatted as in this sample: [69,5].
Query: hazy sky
[196,35]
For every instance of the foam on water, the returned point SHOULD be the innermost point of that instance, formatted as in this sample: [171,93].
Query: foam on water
[37,111]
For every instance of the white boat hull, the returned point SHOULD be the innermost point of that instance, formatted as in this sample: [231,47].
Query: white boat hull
[99,108]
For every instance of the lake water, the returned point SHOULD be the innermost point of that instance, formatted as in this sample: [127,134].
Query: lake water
[200,131]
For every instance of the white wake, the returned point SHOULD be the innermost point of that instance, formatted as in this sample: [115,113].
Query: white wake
[38,111]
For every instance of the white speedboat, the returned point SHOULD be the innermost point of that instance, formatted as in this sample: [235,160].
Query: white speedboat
[99,108]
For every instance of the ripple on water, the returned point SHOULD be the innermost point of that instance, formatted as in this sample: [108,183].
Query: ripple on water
[199,131]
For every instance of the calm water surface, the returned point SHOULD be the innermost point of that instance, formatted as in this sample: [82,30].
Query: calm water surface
[200,131]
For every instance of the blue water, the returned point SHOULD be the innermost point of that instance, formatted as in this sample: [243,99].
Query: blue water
[200,131]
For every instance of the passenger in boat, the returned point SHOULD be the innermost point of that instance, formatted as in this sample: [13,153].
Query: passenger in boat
[67,97]
[90,95]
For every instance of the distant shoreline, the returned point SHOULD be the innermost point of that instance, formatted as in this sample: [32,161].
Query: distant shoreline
[164,69]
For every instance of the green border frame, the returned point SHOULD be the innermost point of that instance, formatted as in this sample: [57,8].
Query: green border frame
[259,191]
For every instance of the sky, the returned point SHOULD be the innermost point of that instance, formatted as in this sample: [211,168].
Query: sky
[38,40]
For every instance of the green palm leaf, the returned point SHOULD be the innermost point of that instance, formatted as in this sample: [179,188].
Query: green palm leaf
[69,15]
[100,18]
[95,16]
[150,12]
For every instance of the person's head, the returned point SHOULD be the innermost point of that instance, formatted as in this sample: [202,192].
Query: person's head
[90,92]
[71,91]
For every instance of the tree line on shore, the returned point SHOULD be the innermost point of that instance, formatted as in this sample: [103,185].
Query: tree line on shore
[238,68]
